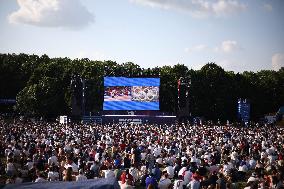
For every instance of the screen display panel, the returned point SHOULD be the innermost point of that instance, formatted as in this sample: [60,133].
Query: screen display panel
[122,93]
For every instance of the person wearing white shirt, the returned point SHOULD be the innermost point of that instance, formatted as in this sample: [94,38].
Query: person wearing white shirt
[126,185]
[183,159]
[226,168]
[193,159]
[194,184]
[109,173]
[81,176]
[74,167]
[271,158]
[243,168]
[29,164]
[182,171]
[47,142]
[164,182]
[269,150]
[67,148]
[143,156]
[207,156]
[70,163]
[170,170]
[234,156]
[159,160]
[252,178]
[10,168]
[187,176]
[16,152]
[263,155]
[40,178]
[157,151]
[53,175]
[52,160]
[97,157]
[179,183]
[134,173]
[252,163]
[8,150]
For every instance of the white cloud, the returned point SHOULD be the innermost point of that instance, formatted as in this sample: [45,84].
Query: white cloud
[267,7]
[197,48]
[228,46]
[197,8]
[277,61]
[223,7]
[52,13]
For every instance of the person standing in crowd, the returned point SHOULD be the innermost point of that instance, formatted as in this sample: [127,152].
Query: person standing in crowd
[81,176]
[179,183]
[68,174]
[221,182]
[126,176]
[53,174]
[165,182]
[151,182]
[40,177]
[157,172]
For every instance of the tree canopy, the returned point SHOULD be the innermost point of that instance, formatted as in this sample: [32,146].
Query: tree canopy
[42,85]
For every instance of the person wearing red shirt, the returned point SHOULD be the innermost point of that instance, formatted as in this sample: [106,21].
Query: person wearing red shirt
[122,145]
[126,176]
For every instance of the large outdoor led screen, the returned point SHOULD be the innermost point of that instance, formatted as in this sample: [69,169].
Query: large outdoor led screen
[121,93]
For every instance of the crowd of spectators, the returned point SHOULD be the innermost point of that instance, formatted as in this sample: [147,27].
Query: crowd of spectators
[144,156]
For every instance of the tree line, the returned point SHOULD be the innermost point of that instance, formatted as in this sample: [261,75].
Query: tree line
[42,86]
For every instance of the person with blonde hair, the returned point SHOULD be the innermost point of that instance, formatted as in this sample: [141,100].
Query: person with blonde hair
[68,174]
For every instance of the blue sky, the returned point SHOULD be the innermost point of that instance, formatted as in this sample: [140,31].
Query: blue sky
[237,35]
